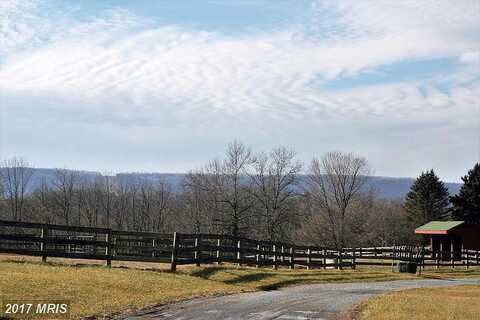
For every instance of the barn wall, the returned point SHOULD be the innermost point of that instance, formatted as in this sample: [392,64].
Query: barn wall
[470,235]
[464,235]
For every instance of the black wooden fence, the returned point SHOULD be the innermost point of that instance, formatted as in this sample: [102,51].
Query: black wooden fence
[47,240]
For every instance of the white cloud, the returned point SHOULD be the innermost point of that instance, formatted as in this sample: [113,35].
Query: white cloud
[191,69]
[122,69]
[472,57]
[355,20]
[29,24]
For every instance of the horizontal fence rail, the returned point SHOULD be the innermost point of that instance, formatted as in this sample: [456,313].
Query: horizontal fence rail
[48,240]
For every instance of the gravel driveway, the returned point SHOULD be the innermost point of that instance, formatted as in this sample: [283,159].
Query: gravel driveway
[318,301]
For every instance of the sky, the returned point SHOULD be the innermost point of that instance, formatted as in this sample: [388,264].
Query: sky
[164,86]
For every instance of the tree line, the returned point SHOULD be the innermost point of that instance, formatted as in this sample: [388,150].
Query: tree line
[264,195]
[429,199]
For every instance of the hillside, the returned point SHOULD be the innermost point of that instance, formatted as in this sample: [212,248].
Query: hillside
[385,187]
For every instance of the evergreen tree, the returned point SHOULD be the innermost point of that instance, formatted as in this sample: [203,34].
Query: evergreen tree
[427,199]
[466,205]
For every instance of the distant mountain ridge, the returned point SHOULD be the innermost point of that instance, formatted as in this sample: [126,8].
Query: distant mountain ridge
[385,187]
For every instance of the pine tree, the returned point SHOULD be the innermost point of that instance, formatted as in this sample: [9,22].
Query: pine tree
[427,199]
[466,205]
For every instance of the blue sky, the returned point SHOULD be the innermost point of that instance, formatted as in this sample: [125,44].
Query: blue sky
[163,86]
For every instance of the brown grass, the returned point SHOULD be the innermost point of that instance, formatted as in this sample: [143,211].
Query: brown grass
[268,279]
[99,290]
[460,302]
[446,273]
[95,289]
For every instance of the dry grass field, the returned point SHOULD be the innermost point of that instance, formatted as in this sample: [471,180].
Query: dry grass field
[268,279]
[450,303]
[95,289]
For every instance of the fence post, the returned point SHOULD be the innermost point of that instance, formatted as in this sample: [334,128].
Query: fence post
[452,256]
[239,256]
[441,255]
[477,257]
[257,257]
[173,265]
[218,251]
[275,257]
[69,246]
[464,256]
[153,248]
[292,257]
[324,251]
[113,241]
[354,261]
[340,262]
[423,258]
[420,258]
[283,254]
[309,258]
[107,248]
[95,246]
[197,252]
[43,244]
[393,258]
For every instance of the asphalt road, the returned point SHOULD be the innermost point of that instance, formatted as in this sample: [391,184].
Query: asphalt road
[319,301]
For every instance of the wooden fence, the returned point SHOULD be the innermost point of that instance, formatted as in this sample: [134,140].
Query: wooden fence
[47,240]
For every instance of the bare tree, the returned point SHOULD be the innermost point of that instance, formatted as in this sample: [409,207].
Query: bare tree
[65,185]
[43,203]
[2,189]
[146,196]
[121,205]
[88,202]
[274,186]
[107,188]
[2,200]
[386,223]
[196,209]
[162,203]
[226,185]
[150,203]
[16,174]
[334,183]
[134,221]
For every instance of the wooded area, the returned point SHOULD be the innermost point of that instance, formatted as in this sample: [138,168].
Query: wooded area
[266,196]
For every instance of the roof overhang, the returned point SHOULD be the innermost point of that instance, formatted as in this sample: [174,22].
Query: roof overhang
[439,227]
[431,231]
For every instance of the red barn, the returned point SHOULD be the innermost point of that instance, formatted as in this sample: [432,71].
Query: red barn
[448,235]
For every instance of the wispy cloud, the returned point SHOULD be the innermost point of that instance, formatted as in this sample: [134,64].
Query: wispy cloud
[31,24]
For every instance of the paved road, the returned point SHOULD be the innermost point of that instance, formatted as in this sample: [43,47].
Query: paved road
[320,301]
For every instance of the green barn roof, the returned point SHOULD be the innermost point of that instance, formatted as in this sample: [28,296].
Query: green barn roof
[438,226]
